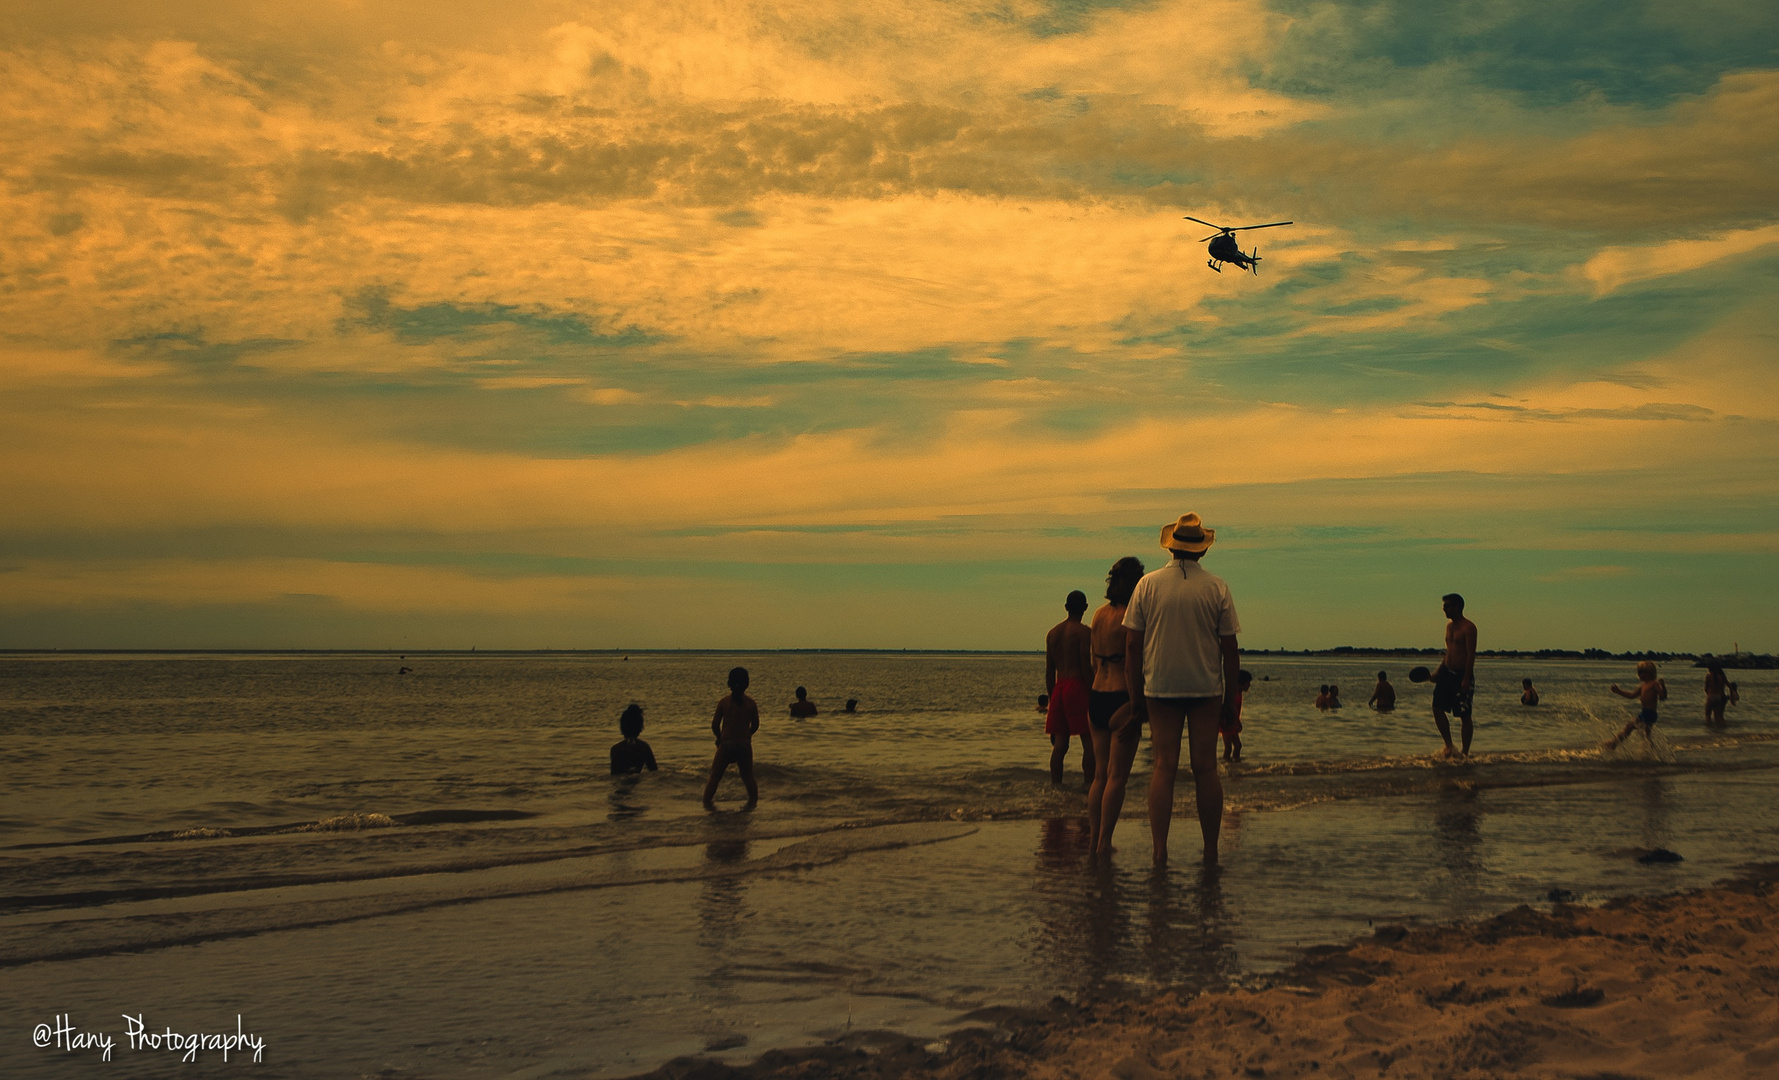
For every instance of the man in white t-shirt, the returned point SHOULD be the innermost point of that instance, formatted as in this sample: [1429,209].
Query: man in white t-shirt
[1181,622]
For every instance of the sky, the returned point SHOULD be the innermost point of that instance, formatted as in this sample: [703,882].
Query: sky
[834,324]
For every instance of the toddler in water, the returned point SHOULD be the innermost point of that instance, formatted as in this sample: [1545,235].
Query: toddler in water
[1650,689]
[631,754]
[734,724]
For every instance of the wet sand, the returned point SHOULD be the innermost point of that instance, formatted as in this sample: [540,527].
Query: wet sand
[1679,985]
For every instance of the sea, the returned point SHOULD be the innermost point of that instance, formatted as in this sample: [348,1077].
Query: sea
[368,865]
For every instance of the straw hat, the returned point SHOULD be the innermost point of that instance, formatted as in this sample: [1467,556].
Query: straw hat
[1187,534]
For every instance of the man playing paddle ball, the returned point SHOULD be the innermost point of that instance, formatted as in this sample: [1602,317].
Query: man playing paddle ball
[1455,679]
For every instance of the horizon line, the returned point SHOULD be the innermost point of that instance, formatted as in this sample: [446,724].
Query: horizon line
[1338,650]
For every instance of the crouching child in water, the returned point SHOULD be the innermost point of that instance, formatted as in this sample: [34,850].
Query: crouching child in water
[1650,689]
[630,754]
[736,720]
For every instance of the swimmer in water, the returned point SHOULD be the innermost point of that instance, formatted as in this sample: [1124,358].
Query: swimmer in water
[1650,689]
[630,754]
[1528,693]
[1383,696]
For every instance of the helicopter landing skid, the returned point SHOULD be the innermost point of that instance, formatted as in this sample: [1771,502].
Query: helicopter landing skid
[1212,263]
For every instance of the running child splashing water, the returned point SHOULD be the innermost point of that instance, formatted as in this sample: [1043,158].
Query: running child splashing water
[1650,690]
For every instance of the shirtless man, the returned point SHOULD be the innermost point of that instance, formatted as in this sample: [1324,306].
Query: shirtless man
[1383,697]
[1068,670]
[1455,679]
[736,720]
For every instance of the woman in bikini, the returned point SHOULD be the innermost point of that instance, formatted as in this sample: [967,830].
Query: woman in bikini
[1108,707]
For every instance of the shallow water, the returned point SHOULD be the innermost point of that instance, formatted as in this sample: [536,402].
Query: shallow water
[433,873]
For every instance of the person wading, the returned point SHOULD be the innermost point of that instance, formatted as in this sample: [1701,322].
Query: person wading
[1181,623]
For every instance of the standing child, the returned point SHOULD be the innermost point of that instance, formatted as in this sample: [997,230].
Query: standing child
[1230,727]
[1650,690]
[736,720]
[630,754]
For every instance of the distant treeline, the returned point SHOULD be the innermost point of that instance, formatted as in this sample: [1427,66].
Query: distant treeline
[1762,661]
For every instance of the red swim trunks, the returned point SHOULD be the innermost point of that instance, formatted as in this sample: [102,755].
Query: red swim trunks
[1068,709]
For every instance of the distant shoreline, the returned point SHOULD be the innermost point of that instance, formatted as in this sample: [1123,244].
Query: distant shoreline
[1743,661]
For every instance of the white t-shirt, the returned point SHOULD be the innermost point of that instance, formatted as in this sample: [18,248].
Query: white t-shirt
[1183,611]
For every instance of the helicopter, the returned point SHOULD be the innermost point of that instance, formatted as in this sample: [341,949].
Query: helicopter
[1225,250]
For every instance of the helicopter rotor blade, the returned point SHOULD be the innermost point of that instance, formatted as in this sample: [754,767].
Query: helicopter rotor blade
[1213,236]
[1202,221]
[1269,225]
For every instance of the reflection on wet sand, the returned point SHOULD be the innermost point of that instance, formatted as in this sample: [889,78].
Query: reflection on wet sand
[1457,842]
[1113,932]
[1657,832]
[722,905]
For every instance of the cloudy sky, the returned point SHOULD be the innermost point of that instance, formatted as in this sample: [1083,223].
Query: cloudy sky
[838,323]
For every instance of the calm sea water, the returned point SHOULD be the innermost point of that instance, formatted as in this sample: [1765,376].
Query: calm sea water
[433,874]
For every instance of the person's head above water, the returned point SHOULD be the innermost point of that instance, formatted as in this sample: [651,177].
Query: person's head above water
[1715,668]
[1076,603]
[1187,538]
[1453,604]
[630,724]
[802,692]
[1646,670]
[1383,676]
[738,679]
[1324,688]
[1243,678]
[1527,683]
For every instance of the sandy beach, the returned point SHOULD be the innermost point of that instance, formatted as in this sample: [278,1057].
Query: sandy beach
[1678,985]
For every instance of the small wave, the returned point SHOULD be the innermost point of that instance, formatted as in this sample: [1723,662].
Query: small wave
[352,822]
[349,823]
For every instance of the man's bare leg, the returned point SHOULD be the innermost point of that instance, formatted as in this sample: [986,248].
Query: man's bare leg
[1445,732]
[1167,722]
[1059,751]
[1123,753]
[1464,731]
[1201,746]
